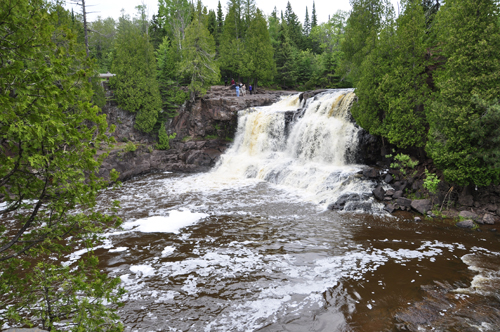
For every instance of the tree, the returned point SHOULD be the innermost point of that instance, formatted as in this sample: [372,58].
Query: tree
[49,133]
[156,31]
[175,16]
[468,37]
[307,24]
[220,19]
[314,18]
[212,24]
[403,89]
[135,85]
[231,51]
[259,61]
[102,32]
[285,58]
[294,26]
[363,26]
[199,59]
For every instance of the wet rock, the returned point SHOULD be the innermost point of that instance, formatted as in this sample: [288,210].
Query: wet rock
[491,207]
[498,212]
[389,208]
[388,178]
[342,200]
[379,193]
[357,206]
[387,198]
[466,200]
[421,205]
[465,224]
[403,201]
[370,173]
[488,219]
[397,194]
[390,192]
[399,185]
[468,215]
[417,219]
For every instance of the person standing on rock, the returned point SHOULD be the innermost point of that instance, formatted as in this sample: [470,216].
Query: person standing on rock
[225,80]
[250,88]
[232,81]
[237,90]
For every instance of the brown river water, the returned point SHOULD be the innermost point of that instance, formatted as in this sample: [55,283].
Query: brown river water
[250,246]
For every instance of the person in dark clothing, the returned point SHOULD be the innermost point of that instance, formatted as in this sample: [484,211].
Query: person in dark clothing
[225,80]
[250,88]
[232,82]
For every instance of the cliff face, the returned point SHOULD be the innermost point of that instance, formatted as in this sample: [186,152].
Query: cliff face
[204,128]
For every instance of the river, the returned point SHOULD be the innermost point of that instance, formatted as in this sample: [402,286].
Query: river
[250,246]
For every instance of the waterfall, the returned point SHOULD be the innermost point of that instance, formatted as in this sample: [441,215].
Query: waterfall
[307,147]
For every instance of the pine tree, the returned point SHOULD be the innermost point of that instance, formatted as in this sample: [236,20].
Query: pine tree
[135,85]
[249,11]
[259,62]
[285,59]
[156,32]
[314,18]
[307,24]
[199,59]
[294,27]
[468,36]
[175,16]
[212,24]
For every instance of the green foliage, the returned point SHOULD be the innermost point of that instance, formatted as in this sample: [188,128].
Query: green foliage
[135,85]
[404,162]
[101,35]
[49,134]
[285,58]
[164,139]
[130,147]
[431,182]
[198,61]
[231,50]
[259,61]
[469,39]
[98,97]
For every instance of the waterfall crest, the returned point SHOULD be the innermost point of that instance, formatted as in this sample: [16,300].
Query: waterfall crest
[314,154]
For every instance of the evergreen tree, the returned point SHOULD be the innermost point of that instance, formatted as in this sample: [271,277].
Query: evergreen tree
[468,36]
[294,26]
[285,59]
[274,23]
[314,18]
[231,50]
[307,24]
[363,26]
[212,24]
[259,61]
[199,59]
[249,11]
[403,89]
[135,85]
[101,36]
[220,19]
[156,32]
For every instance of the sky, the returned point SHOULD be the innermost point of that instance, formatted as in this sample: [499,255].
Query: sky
[113,7]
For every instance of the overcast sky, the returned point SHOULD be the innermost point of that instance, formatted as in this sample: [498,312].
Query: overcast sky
[112,7]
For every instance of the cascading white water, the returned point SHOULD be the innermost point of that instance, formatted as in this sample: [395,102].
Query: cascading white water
[314,156]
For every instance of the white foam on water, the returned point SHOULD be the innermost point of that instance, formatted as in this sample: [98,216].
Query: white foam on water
[119,249]
[486,265]
[143,270]
[173,223]
[169,250]
[298,282]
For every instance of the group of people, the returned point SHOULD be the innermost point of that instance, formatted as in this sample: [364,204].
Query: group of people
[239,87]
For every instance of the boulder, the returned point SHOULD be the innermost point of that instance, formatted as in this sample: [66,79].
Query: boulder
[421,205]
[403,201]
[417,219]
[389,208]
[491,207]
[465,224]
[489,219]
[342,200]
[388,178]
[370,172]
[356,206]
[468,215]
[498,212]
[397,194]
[399,185]
[379,193]
[389,192]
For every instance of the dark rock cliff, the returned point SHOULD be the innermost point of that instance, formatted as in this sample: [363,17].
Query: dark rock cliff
[204,130]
